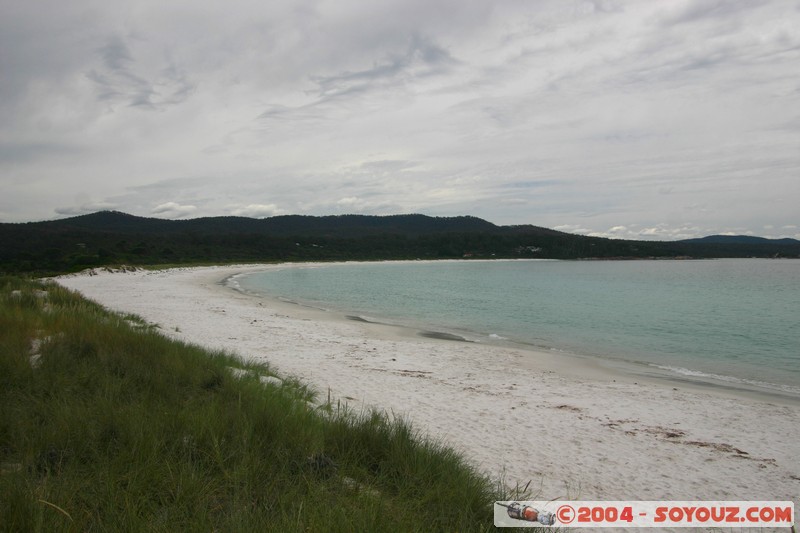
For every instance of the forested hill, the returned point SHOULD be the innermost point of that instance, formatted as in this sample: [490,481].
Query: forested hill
[740,239]
[350,226]
[110,237]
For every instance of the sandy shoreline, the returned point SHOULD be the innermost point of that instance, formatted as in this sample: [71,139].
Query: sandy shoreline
[575,433]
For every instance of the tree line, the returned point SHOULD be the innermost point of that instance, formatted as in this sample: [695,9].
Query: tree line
[108,238]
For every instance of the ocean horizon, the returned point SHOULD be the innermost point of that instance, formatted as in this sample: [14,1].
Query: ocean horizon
[728,323]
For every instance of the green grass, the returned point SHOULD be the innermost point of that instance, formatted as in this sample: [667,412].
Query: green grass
[106,425]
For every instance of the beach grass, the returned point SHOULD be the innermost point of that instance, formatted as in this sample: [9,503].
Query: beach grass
[108,425]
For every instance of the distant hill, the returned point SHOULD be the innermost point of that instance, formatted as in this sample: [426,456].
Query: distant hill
[111,237]
[740,239]
[287,225]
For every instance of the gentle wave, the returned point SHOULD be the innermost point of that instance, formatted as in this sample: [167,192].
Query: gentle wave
[728,379]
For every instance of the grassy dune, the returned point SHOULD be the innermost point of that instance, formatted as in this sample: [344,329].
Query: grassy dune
[106,425]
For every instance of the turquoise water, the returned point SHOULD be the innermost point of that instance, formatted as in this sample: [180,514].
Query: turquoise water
[729,322]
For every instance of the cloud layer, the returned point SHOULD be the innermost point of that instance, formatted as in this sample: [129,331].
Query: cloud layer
[629,119]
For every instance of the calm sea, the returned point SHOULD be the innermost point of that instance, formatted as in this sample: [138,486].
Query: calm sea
[733,323]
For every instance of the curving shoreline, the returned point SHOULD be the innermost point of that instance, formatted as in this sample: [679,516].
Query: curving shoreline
[640,320]
[582,433]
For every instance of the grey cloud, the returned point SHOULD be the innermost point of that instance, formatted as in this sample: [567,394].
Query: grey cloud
[186,196]
[116,56]
[532,184]
[173,210]
[16,152]
[309,112]
[599,115]
[388,165]
[257,210]
[85,208]
[116,79]
[607,6]
[699,10]
[365,204]
[121,79]
[169,185]
[421,53]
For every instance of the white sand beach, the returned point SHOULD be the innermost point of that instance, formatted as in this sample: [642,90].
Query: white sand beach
[574,431]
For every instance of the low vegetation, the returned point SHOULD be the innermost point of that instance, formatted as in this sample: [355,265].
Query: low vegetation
[105,238]
[107,425]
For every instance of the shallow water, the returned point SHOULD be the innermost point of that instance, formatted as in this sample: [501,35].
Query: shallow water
[728,322]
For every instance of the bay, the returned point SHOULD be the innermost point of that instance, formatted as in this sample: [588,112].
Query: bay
[731,322]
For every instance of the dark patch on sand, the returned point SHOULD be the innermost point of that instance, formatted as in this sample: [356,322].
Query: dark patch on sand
[357,318]
[443,336]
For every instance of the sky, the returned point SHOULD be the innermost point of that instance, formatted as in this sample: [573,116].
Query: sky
[637,119]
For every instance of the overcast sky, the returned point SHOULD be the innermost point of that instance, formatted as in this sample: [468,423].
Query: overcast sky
[633,119]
